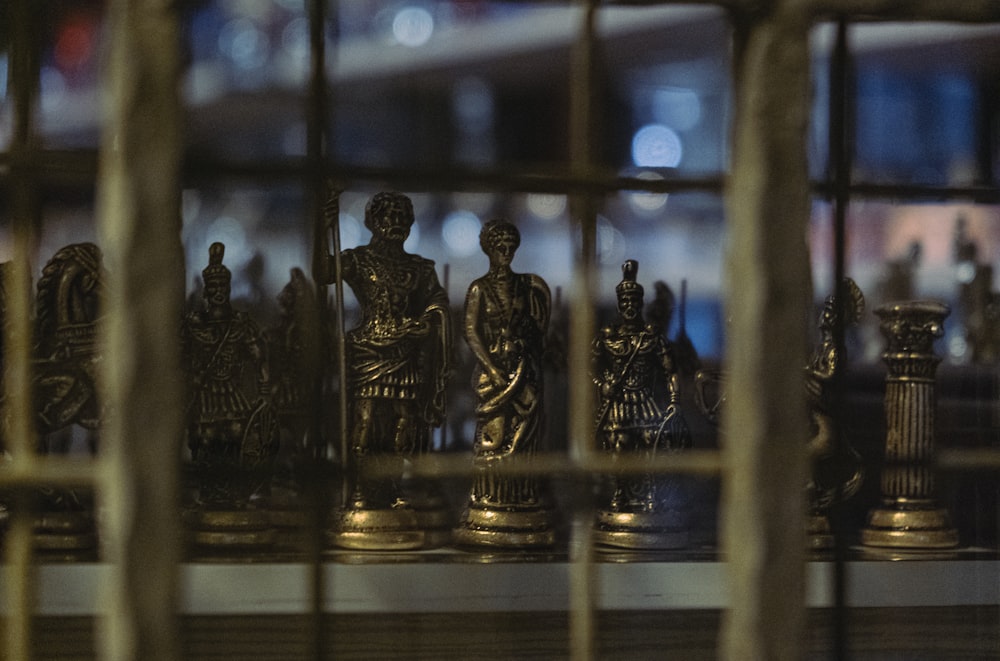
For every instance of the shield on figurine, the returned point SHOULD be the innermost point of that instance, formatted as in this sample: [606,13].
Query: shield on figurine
[260,440]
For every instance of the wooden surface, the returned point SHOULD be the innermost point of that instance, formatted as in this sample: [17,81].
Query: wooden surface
[881,634]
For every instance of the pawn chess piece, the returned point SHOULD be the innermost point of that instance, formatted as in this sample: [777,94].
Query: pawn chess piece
[231,428]
[633,366]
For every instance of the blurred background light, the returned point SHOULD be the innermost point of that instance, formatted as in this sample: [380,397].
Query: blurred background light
[677,107]
[460,231]
[244,44]
[656,146]
[644,203]
[546,206]
[413,26]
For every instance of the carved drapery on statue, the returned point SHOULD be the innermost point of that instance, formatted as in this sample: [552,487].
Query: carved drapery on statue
[398,363]
[506,324]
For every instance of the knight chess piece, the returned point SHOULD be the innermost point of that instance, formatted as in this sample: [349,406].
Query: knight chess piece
[398,360]
[837,469]
[66,358]
[506,322]
[909,517]
[635,372]
[231,426]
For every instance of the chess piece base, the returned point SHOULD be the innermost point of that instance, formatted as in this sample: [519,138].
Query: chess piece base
[227,529]
[820,537]
[505,528]
[394,529]
[64,531]
[909,524]
[641,530]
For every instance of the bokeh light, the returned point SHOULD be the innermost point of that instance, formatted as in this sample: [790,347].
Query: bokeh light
[546,206]
[645,203]
[460,231]
[413,26]
[656,146]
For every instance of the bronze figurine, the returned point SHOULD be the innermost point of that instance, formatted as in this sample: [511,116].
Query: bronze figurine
[398,362]
[909,518]
[837,470]
[295,357]
[68,306]
[506,322]
[638,416]
[231,428]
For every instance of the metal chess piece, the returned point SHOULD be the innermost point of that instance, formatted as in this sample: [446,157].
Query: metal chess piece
[506,321]
[231,429]
[837,469]
[66,358]
[294,360]
[398,361]
[631,359]
[909,517]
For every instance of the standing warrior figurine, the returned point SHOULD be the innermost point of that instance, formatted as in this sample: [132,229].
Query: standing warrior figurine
[232,440]
[398,362]
[630,358]
[506,321]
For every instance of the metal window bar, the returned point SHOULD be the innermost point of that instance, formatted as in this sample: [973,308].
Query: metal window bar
[761,36]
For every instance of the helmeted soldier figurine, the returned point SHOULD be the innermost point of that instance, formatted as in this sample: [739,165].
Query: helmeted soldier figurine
[638,416]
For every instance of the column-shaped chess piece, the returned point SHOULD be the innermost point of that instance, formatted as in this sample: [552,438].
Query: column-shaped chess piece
[909,517]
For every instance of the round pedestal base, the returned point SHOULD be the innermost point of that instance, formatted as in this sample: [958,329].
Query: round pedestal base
[394,529]
[230,529]
[909,525]
[641,530]
[502,528]
[819,537]
[64,531]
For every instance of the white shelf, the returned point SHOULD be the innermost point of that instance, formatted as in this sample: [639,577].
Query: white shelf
[428,587]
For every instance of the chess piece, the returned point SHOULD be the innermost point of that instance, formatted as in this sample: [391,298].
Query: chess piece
[398,361]
[294,360]
[506,321]
[909,517]
[231,428]
[65,362]
[837,470]
[634,371]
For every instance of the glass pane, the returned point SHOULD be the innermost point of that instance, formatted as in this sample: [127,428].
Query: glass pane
[247,66]
[921,100]
[490,86]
